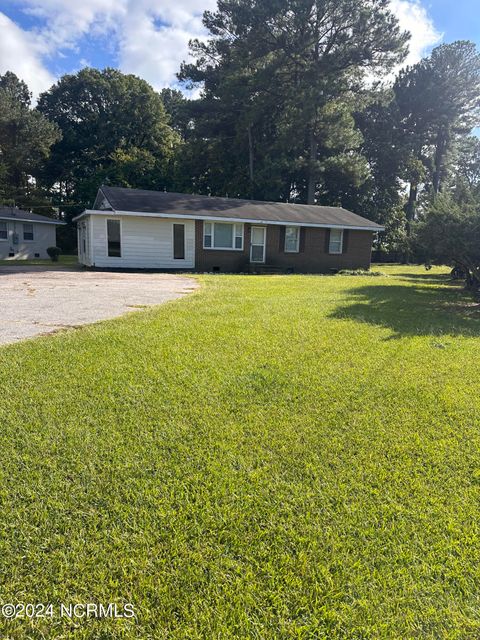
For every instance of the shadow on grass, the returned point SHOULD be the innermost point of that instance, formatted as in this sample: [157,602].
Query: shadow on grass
[414,310]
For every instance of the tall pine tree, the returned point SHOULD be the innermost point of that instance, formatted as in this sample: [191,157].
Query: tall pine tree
[284,77]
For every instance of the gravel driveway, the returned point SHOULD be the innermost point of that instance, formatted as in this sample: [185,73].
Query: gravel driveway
[39,300]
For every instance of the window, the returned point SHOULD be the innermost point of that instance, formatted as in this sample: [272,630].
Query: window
[113,239]
[335,244]
[207,235]
[28,231]
[222,235]
[179,241]
[3,231]
[292,239]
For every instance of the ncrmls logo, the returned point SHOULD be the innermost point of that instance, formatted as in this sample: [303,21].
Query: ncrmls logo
[96,610]
[10,611]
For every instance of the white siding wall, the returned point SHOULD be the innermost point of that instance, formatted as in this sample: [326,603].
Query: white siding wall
[44,236]
[147,243]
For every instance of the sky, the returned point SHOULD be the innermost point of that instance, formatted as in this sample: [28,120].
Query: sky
[40,40]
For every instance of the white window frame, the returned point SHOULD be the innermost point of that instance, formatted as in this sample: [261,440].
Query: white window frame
[121,238]
[32,239]
[297,246]
[238,232]
[340,249]
[6,230]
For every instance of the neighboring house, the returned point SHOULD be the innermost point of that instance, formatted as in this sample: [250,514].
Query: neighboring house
[138,229]
[24,235]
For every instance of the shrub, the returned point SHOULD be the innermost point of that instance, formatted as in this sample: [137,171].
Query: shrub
[54,253]
[360,272]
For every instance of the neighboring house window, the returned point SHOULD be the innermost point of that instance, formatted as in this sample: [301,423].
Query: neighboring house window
[292,239]
[336,241]
[28,231]
[3,231]
[179,241]
[114,239]
[222,235]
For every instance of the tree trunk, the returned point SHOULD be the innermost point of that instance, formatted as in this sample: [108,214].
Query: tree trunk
[312,178]
[410,210]
[251,161]
[440,151]
[472,281]
[411,207]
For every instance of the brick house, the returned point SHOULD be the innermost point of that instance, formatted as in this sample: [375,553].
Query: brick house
[139,229]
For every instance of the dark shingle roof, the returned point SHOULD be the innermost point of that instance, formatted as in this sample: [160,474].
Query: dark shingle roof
[12,213]
[143,201]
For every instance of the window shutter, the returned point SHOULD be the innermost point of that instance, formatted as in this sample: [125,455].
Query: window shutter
[301,244]
[345,241]
[281,245]
[327,240]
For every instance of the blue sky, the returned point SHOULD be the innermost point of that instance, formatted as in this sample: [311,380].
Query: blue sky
[42,39]
[457,19]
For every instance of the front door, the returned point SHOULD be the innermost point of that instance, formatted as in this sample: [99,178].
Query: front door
[257,244]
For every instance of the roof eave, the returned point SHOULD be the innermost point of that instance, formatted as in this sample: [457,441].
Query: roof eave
[84,213]
[15,219]
[293,223]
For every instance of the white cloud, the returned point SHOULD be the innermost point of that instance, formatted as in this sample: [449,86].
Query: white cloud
[150,37]
[156,40]
[413,17]
[21,52]
[68,20]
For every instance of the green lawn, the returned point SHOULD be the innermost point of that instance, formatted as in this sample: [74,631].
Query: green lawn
[62,262]
[273,457]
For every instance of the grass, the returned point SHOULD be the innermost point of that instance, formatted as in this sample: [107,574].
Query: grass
[273,457]
[62,262]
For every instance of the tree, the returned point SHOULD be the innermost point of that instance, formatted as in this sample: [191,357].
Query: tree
[114,128]
[380,195]
[16,89]
[450,234]
[26,137]
[284,74]
[466,169]
[449,231]
[438,102]
[179,110]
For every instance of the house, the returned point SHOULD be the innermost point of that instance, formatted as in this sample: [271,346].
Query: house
[139,229]
[25,235]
